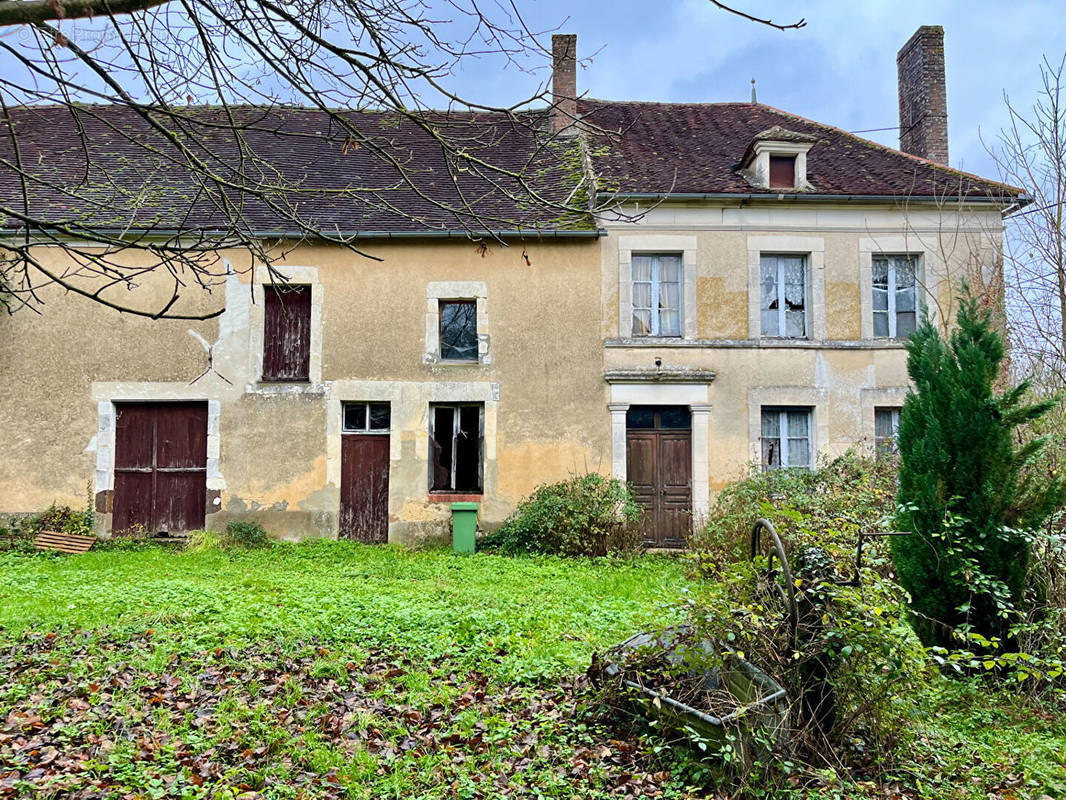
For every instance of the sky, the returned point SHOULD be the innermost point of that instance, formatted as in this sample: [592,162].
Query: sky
[840,69]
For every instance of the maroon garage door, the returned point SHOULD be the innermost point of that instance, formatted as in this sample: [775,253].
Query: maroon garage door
[160,466]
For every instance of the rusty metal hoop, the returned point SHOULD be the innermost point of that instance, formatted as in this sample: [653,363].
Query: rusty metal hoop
[788,591]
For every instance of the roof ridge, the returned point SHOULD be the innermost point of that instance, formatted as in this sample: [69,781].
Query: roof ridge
[893,150]
[666,102]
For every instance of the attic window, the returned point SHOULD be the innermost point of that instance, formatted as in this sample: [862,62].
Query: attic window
[782,172]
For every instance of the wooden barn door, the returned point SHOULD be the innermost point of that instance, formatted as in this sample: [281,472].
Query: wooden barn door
[365,487]
[160,467]
[659,469]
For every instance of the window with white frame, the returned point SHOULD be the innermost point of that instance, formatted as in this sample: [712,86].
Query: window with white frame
[367,417]
[656,295]
[886,429]
[783,309]
[786,438]
[895,300]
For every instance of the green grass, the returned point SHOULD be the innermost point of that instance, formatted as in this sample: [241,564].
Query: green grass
[546,615]
[335,670]
[317,670]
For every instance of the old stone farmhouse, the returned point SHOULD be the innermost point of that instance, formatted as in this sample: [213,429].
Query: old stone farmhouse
[744,302]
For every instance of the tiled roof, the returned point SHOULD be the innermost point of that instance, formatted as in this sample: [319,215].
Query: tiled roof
[134,177]
[697,148]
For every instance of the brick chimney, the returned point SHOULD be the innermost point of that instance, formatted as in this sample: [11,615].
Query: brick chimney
[923,101]
[564,81]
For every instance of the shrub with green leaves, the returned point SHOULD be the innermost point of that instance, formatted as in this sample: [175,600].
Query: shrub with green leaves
[826,507]
[588,515]
[61,519]
[246,534]
[967,488]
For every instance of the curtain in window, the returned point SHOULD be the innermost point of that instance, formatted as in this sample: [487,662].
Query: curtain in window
[768,307]
[771,439]
[880,282]
[642,291]
[799,438]
[906,309]
[895,303]
[783,285]
[669,296]
[795,270]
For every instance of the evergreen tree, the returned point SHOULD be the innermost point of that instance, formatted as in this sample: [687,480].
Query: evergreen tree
[967,487]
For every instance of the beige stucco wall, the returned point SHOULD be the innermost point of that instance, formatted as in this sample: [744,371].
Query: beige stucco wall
[279,446]
[549,330]
[840,371]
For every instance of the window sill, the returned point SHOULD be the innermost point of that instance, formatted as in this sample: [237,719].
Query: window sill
[286,387]
[453,497]
[827,344]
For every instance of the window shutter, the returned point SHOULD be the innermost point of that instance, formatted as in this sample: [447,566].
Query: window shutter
[287,333]
[782,172]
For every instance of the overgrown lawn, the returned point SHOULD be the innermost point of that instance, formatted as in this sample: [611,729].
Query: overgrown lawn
[317,670]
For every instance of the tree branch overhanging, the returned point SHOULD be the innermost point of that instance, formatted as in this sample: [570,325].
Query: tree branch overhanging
[32,12]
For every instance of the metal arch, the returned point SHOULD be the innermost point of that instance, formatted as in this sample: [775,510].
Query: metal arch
[788,592]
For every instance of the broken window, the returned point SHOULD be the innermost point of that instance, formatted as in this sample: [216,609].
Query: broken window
[367,417]
[455,436]
[286,333]
[782,172]
[656,295]
[783,281]
[458,330]
[895,296]
[786,438]
[886,429]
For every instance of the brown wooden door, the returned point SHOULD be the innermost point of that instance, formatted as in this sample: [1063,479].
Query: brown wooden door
[659,469]
[160,467]
[365,487]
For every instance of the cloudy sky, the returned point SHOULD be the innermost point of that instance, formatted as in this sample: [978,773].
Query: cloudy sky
[840,69]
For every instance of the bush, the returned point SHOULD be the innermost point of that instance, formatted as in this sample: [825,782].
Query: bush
[855,672]
[589,515]
[246,534]
[826,507]
[61,519]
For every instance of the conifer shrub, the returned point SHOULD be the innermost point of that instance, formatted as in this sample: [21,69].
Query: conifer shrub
[967,487]
[588,515]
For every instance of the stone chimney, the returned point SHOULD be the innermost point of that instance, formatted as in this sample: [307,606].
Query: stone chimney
[923,101]
[564,81]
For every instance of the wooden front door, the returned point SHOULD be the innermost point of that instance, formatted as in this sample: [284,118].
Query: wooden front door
[659,469]
[160,467]
[365,487]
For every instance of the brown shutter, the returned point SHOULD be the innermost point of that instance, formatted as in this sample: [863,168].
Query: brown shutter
[287,333]
[782,172]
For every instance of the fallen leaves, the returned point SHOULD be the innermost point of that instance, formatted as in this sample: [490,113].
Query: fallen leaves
[95,716]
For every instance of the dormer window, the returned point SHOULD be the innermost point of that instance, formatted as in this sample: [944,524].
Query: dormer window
[782,172]
[777,159]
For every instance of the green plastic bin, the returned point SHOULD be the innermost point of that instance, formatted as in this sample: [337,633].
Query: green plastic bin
[464,527]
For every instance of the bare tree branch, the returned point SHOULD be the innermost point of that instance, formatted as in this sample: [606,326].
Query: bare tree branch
[30,12]
[1031,152]
[802,23]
